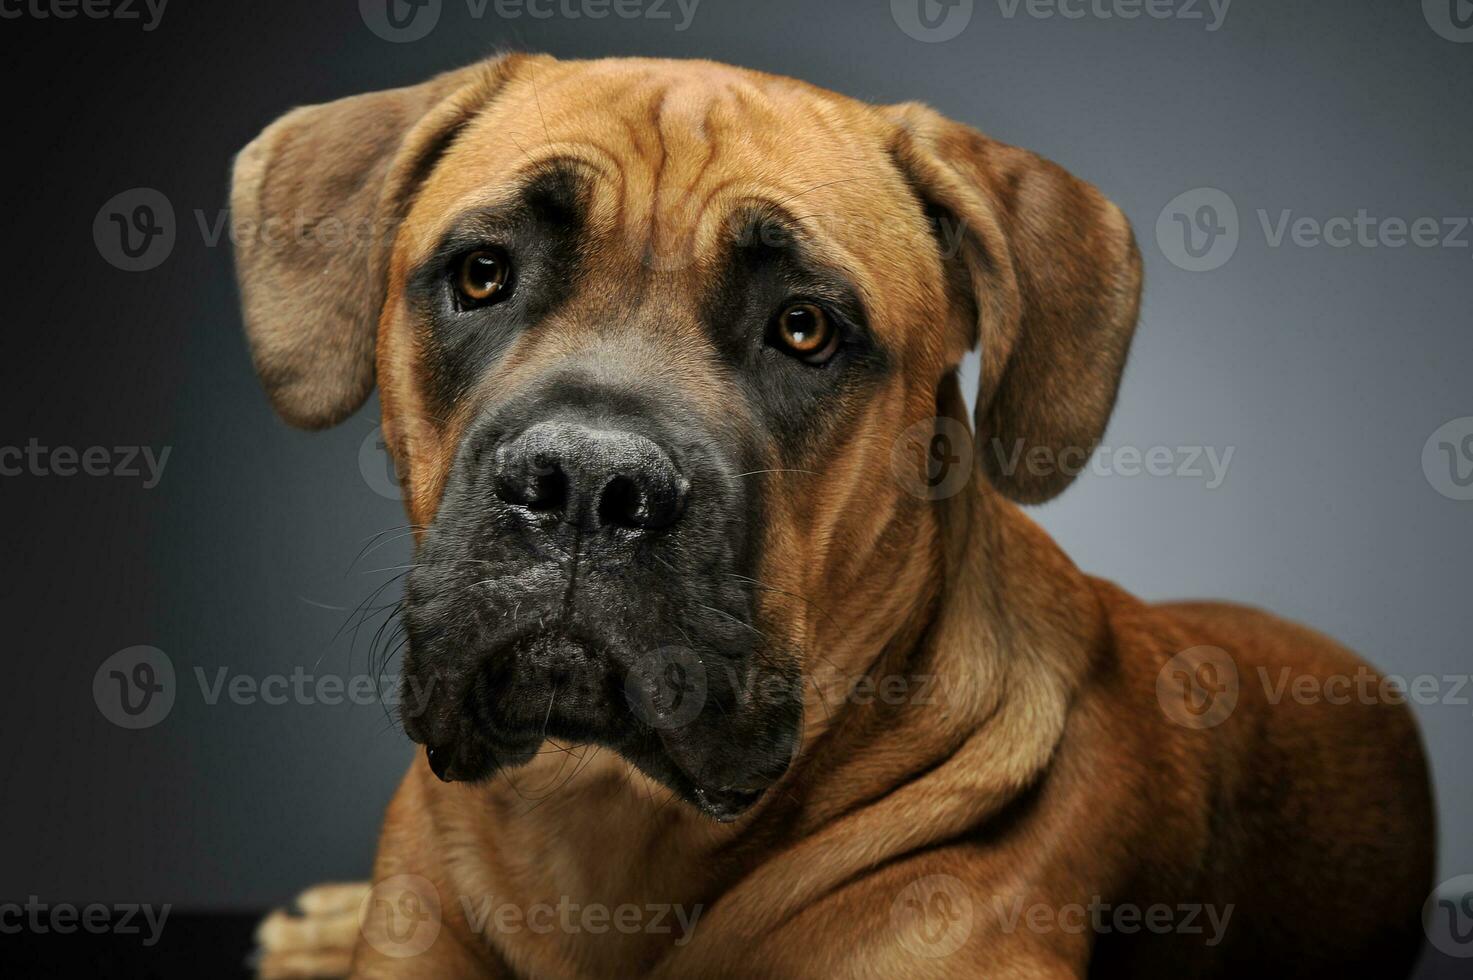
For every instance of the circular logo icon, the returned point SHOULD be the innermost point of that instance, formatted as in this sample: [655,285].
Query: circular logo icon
[377,465]
[1198,688]
[134,231]
[401,916]
[933,916]
[134,688]
[668,689]
[932,21]
[1447,916]
[382,446]
[1447,459]
[1451,19]
[933,458]
[1198,230]
[400,21]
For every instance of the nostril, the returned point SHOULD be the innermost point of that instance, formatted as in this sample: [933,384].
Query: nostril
[547,486]
[641,505]
[538,484]
[623,504]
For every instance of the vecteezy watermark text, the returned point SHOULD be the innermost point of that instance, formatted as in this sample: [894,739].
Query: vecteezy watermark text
[934,459]
[1128,461]
[34,459]
[42,918]
[1213,12]
[1102,918]
[304,688]
[402,21]
[136,688]
[1200,687]
[1199,230]
[487,915]
[150,12]
[1365,686]
[934,21]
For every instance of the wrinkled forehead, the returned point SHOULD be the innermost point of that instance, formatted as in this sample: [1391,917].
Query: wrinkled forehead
[665,163]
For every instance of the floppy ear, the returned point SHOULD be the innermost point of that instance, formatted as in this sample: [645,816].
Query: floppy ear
[1049,272]
[315,203]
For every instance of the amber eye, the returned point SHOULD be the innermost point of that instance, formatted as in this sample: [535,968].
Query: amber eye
[806,332]
[482,276]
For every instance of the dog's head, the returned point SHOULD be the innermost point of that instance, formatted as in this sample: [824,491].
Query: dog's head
[647,334]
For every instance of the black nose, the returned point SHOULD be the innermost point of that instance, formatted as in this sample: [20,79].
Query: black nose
[591,477]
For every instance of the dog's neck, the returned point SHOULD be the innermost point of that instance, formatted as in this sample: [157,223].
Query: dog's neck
[997,646]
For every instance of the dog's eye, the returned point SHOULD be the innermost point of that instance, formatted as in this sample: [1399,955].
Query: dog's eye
[806,332]
[481,277]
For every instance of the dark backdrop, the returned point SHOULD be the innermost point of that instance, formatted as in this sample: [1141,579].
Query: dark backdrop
[1325,370]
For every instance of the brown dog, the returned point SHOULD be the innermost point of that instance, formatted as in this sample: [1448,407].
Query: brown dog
[718,676]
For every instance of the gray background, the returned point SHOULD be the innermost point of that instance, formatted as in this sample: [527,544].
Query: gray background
[1325,369]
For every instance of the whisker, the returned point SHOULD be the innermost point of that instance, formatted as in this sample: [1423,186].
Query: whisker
[378,540]
[735,619]
[828,183]
[777,470]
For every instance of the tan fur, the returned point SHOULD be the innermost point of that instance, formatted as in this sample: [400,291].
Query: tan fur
[1045,770]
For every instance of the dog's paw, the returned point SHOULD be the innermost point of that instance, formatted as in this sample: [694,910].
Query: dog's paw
[316,938]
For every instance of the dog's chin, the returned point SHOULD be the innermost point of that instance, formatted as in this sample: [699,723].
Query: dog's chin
[499,720]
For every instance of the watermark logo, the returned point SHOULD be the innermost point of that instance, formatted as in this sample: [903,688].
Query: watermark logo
[932,21]
[652,10]
[43,918]
[1362,230]
[941,20]
[1447,459]
[132,462]
[489,917]
[667,689]
[1103,918]
[303,688]
[1364,686]
[1198,688]
[1447,917]
[1451,19]
[1213,12]
[150,12]
[933,916]
[1204,463]
[135,688]
[401,916]
[933,459]
[134,231]
[401,439]
[1198,229]
[376,464]
[400,21]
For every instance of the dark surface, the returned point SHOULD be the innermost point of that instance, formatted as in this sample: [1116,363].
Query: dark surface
[220,946]
[196,945]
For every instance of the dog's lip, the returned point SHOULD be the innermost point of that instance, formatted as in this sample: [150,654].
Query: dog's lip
[720,800]
[726,805]
[474,751]
[473,760]
[440,760]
